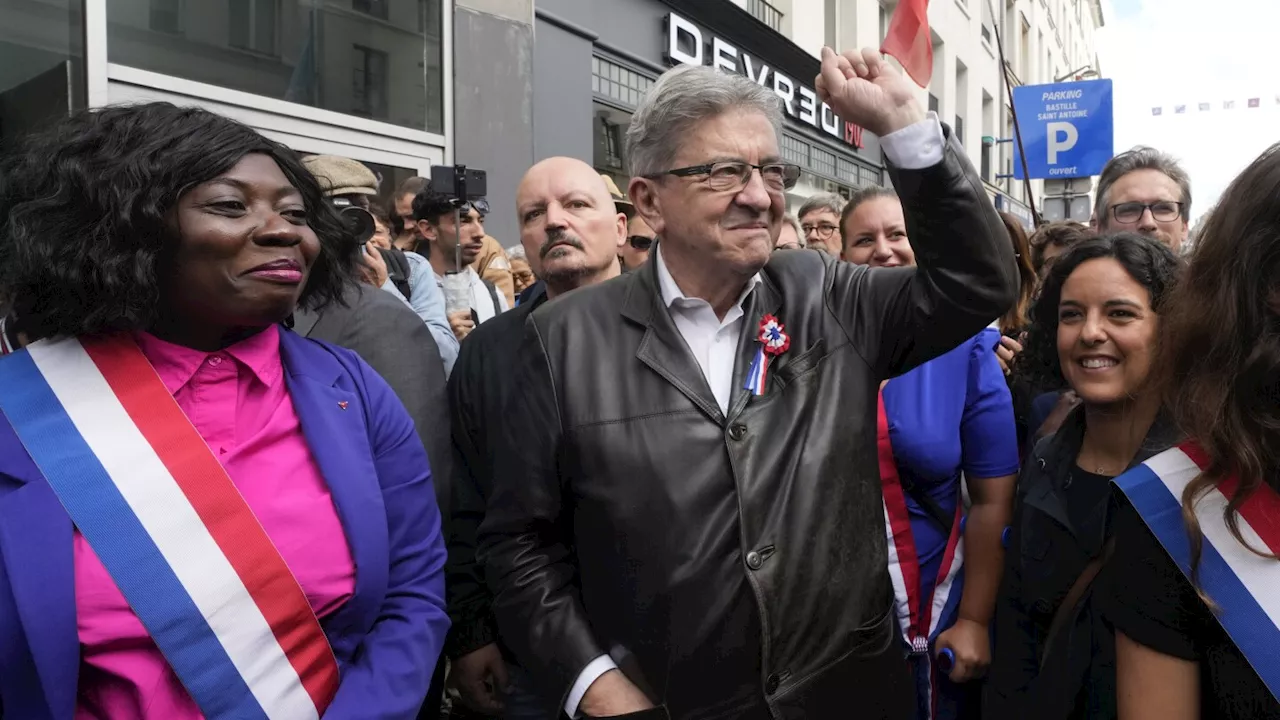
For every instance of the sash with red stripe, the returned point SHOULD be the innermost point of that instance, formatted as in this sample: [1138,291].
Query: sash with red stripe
[1239,581]
[920,618]
[164,518]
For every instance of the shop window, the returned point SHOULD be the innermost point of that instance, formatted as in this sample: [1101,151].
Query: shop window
[618,82]
[824,161]
[609,132]
[429,18]
[376,8]
[295,50]
[795,150]
[766,13]
[613,145]
[166,16]
[369,82]
[847,171]
[253,25]
[41,65]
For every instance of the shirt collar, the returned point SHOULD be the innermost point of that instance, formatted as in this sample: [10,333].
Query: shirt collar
[469,271]
[176,365]
[671,293]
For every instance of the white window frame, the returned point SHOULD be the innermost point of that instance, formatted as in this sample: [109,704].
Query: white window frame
[109,83]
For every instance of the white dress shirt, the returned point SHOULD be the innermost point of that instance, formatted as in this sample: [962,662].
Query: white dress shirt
[714,342]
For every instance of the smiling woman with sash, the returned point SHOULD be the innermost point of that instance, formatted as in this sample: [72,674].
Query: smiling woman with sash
[1093,330]
[201,513]
[949,417]
[1194,586]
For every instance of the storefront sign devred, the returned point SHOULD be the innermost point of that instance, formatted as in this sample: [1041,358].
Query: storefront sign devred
[686,46]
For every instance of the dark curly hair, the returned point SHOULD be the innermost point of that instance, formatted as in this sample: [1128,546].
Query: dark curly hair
[1063,234]
[84,206]
[430,205]
[1148,262]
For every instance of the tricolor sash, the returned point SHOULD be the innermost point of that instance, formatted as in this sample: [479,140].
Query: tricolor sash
[920,618]
[1242,583]
[159,510]
[6,345]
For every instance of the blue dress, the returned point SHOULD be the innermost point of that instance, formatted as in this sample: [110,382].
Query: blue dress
[950,416]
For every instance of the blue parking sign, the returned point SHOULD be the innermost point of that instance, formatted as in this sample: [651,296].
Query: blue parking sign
[1067,129]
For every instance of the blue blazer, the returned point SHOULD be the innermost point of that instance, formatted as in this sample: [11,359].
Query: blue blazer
[388,635]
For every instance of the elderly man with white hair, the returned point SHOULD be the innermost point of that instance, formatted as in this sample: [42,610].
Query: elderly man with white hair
[688,522]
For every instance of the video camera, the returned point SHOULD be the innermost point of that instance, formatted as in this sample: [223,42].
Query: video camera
[357,220]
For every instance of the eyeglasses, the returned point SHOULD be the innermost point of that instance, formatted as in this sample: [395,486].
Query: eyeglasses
[788,246]
[640,242]
[1131,212]
[823,230]
[734,175]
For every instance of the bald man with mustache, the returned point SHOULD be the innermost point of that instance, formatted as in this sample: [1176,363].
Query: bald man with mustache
[572,233]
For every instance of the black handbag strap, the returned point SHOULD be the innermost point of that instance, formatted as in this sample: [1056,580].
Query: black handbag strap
[935,511]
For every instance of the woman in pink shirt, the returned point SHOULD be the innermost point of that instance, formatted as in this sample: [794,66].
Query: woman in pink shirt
[202,514]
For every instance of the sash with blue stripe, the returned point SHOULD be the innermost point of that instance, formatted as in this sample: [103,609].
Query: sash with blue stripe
[1241,582]
[160,512]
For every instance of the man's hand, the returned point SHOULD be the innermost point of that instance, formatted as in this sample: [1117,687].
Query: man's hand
[1005,352]
[971,643]
[481,679]
[613,694]
[866,90]
[462,324]
[374,268]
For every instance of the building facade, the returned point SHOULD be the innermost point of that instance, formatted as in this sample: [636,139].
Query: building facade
[1044,41]
[375,80]
[367,79]
[594,60]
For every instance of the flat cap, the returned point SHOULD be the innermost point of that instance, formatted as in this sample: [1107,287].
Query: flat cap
[341,176]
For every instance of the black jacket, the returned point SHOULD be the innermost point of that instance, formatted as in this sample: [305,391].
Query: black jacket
[482,379]
[734,565]
[1046,554]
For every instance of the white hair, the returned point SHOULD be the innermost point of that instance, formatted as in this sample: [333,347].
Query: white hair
[678,101]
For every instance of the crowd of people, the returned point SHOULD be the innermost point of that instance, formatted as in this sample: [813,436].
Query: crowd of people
[275,442]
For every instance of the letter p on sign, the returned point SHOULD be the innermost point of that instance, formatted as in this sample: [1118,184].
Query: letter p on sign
[1062,137]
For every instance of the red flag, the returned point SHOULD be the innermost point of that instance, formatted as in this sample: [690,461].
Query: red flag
[909,40]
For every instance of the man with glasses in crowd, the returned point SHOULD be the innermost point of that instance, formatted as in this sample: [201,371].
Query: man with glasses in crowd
[1144,191]
[693,452]
[820,223]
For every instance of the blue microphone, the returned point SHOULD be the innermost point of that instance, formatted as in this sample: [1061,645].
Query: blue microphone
[946,660]
[1004,536]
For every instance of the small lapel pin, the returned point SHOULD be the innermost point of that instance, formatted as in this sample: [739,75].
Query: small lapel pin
[773,341]
[342,404]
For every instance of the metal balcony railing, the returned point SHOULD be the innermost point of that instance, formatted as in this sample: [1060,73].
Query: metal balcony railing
[766,13]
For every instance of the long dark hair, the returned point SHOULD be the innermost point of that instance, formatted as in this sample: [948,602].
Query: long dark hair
[83,209]
[1221,346]
[1148,262]
[1016,317]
